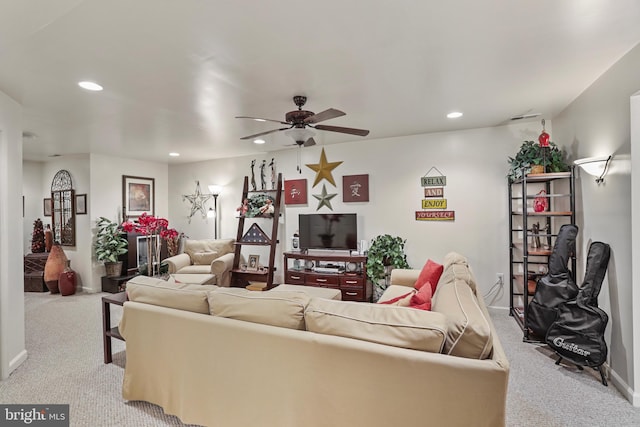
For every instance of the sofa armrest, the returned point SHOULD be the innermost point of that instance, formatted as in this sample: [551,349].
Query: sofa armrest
[177,262]
[221,268]
[404,276]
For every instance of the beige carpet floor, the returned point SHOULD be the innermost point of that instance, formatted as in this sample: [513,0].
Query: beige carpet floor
[65,365]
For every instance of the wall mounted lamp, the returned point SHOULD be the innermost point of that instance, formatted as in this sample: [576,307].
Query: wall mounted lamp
[213,213]
[595,166]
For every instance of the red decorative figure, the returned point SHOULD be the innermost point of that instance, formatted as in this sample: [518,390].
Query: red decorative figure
[543,139]
[540,203]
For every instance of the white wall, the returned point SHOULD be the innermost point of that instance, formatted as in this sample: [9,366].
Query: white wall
[33,205]
[12,341]
[474,161]
[635,238]
[105,198]
[597,123]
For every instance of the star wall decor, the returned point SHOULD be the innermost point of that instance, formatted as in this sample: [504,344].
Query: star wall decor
[323,169]
[197,200]
[324,198]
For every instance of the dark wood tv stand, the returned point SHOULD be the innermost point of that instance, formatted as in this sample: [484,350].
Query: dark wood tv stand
[350,275]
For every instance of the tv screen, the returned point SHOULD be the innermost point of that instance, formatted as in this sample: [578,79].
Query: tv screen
[328,231]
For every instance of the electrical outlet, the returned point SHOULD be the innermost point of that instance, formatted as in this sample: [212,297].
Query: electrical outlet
[501,279]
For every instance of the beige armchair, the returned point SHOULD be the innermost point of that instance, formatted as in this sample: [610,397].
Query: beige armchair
[206,256]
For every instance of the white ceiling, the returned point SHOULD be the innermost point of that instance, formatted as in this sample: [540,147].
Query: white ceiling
[176,73]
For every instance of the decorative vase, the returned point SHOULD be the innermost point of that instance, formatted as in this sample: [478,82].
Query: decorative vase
[67,280]
[48,238]
[540,203]
[113,269]
[56,261]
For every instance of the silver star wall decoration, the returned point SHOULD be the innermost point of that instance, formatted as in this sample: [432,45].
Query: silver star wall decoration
[197,200]
[324,198]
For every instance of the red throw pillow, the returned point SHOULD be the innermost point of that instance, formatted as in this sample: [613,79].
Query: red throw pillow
[430,273]
[396,299]
[422,298]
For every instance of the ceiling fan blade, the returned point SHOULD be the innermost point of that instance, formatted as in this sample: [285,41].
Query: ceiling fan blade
[310,142]
[351,131]
[331,113]
[260,119]
[264,133]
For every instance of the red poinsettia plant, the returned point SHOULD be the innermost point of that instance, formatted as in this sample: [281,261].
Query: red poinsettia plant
[150,225]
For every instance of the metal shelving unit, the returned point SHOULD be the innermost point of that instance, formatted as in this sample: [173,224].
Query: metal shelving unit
[528,250]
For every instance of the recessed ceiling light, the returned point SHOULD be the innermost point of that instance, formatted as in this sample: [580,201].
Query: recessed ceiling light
[260,120]
[174,154]
[454,115]
[90,86]
[259,141]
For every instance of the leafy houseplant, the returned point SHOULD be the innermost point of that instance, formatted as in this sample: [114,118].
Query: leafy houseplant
[385,252]
[531,153]
[109,245]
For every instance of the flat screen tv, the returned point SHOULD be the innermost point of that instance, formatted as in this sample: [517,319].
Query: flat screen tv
[328,231]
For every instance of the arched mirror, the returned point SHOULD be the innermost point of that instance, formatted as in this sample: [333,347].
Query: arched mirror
[63,220]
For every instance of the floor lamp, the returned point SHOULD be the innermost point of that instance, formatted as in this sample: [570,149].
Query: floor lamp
[215,192]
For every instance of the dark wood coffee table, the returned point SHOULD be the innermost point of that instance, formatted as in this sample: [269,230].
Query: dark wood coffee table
[109,332]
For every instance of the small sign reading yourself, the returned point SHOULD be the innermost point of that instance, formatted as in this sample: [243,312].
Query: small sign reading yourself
[435,215]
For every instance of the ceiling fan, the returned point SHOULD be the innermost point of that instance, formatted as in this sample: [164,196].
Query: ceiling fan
[299,120]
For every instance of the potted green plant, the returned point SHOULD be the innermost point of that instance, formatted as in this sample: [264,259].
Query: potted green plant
[531,154]
[110,244]
[385,252]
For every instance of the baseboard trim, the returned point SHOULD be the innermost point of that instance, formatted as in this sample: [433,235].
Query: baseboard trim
[623,387]
[18,360]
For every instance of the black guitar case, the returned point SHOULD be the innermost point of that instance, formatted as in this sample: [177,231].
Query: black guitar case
[578,333]
[556,287]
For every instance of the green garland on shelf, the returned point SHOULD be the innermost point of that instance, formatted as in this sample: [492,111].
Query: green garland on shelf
[256,201]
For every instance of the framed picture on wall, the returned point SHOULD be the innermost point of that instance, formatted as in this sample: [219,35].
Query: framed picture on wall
[46,206]
[355,188]
[138,195]
[81,204]
[295,192]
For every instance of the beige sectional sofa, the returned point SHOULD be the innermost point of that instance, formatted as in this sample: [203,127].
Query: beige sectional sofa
[232,357]
[206,256]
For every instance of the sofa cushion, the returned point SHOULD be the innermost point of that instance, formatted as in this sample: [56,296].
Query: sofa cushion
[468,329]
[456,266]
[401,300]
[154,291]
[221,246]
[430,273]
[379,323]
[204,258]
[195,269]
[282,308]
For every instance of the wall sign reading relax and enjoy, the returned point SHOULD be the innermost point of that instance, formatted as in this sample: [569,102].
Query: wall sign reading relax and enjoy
[434,205]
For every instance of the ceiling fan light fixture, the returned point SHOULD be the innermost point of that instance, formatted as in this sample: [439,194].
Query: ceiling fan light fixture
[299,135]
[259,141]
